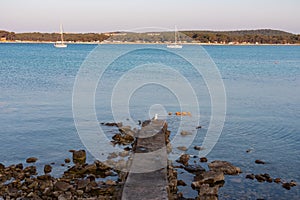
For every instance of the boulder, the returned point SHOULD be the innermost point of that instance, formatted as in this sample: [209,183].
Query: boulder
[79,157]
[67,160]
[203,159]
[225,167]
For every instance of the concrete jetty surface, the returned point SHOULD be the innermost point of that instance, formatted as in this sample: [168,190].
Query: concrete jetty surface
[147,178]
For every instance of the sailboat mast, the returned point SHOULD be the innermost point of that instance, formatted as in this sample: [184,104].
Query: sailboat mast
[61,34]
[175,35]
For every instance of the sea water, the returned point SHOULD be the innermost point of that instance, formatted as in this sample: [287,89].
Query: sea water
[262,107]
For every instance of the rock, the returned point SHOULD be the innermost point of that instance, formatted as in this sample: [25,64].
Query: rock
[293,183]
[277,180]
[250,176]
[146,122]
[126,130]
[79,157]
[225,167]
[19,166]
[260,162]
[67,160]
[31,160]
[79,192]
[194,169]
[81,184]
[184,133]
[170,113]
[210,177]
[44,177]
[110,182]
[198,148]
[31,170]
[123,153]
[124,139]
[248,150]
[2,167]
[181,183]
[260,178]
[47,169]
[208,193]
[182,148]
[198,127]
[62,186]
[203,159]
[112,124]
[112,155]
[184,159]
[101,166]
[286,186]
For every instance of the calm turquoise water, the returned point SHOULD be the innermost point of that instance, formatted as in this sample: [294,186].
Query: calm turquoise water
[263,108]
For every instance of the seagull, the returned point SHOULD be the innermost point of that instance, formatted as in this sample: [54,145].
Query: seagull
[155,117]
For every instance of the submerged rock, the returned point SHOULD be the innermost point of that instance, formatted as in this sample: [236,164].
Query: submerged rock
[194,169]
[182,148]
[31,160]
[250,176]
[210,177]
[260,162]
[112,124]
[207,192]
[203,159]
[198,148]
[184,133]
[47,169]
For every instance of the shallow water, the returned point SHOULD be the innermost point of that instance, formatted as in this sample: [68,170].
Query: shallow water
[263,107]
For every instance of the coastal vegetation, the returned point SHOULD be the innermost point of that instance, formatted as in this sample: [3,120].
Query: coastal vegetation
[262,36]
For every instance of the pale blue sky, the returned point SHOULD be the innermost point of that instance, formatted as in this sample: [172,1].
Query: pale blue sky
[113,15]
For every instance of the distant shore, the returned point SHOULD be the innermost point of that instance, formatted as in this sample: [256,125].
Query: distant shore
[149,43]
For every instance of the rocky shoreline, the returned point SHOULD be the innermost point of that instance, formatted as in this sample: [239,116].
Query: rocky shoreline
[105,179]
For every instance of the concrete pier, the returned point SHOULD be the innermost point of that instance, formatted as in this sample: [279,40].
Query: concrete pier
[147,178]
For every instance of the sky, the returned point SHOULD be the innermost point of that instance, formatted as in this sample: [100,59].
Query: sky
[124,15]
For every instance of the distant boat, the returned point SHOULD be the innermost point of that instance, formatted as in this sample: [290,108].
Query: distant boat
[60,44]
[175,45]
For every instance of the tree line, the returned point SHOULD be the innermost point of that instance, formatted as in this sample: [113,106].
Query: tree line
[263,36]
[52,37]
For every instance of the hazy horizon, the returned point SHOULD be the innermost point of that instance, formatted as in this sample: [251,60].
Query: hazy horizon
[116,15]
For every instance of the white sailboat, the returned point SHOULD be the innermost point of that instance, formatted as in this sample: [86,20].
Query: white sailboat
[60,44]
[175,45]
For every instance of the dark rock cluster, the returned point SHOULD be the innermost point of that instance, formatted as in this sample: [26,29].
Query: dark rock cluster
[81,181]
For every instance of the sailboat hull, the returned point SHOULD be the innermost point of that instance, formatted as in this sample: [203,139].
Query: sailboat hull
[174,46]
[60,45]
